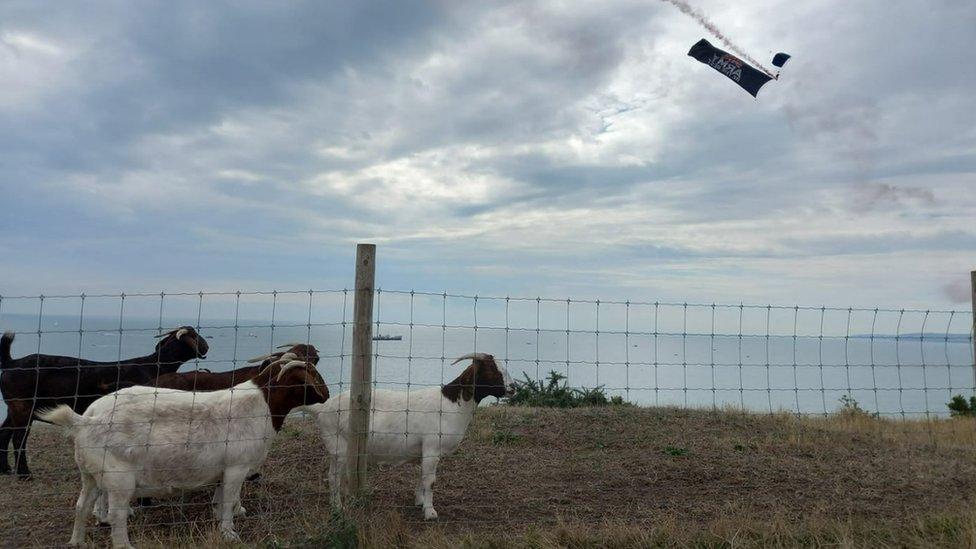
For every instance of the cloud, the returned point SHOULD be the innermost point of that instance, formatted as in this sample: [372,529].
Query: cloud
[511,145]
[883,194]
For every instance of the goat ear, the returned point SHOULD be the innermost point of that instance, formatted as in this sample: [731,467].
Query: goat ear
[315,387]
[192,342]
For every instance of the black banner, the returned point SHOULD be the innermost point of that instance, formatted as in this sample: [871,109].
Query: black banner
[750,78]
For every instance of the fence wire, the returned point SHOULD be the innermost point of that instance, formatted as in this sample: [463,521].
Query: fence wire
[899,365]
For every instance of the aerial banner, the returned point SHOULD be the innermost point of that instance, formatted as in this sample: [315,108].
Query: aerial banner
[750,78]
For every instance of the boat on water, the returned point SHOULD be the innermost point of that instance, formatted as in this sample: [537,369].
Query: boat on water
[387,337]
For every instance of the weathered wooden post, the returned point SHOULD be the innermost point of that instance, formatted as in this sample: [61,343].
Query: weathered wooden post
[972,287]
[362,366]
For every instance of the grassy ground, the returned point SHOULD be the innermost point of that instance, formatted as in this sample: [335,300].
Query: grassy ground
[589,477]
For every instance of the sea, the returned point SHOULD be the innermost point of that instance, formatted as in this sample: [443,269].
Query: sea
[803,360]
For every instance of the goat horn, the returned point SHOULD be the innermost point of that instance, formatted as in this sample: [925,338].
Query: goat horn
[181,332]
[289,345]
[291,364]
[166,333]
[472,356]
[276,356]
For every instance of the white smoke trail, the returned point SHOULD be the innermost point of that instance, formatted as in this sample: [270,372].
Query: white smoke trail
[697,15]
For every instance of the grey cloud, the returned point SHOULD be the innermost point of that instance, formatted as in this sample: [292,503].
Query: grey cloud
[246,104]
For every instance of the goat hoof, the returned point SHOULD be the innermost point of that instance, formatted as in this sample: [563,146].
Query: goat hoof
[254,478]
[430,514]
[231,535]
[26,477]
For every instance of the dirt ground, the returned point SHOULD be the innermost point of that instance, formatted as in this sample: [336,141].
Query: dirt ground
[522,470]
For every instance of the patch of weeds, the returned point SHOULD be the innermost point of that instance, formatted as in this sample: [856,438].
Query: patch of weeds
[601,445]
[849,407]
[960,407]
[675,451]
[553,392]
[740,447]
[342,533]
[499,438]
[291,431]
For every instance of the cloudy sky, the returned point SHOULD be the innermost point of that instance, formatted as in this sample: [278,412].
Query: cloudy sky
[523,148]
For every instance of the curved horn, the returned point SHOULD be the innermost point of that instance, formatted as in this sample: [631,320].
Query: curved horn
[276,356]
[181,332]
[472,356]
[166,333]
[289,345]
[291,364]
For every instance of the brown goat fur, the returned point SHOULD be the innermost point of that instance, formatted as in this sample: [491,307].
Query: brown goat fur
[479,380]
[285,391]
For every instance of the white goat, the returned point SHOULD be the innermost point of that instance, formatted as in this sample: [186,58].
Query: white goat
[419,425]
[154,441]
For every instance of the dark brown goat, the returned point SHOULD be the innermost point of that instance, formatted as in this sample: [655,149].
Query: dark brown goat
[35,382]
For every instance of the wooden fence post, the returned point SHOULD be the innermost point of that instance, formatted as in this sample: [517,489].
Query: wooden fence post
[972,286]
[362,366]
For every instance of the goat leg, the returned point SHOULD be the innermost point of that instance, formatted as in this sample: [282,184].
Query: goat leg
[6,431]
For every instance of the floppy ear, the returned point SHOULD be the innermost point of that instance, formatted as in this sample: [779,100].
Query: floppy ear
[315,385]
[191,341]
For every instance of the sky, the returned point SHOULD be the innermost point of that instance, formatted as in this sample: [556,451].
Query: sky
[556,149]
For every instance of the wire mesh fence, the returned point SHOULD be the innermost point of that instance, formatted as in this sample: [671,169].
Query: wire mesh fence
[903,365]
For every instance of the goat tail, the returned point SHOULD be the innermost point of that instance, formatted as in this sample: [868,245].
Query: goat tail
[5,342]
[61,415]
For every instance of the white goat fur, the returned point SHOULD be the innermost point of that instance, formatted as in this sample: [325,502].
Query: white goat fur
[149,441]
[419,425]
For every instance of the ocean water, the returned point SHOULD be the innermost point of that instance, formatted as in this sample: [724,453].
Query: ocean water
[759,358]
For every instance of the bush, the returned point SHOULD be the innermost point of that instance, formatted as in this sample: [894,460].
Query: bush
[553,393]
[960,407]
[849,407]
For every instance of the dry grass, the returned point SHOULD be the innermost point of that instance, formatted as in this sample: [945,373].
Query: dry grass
[619,476]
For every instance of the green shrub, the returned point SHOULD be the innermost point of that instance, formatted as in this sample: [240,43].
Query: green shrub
[553,393]
[960,407]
